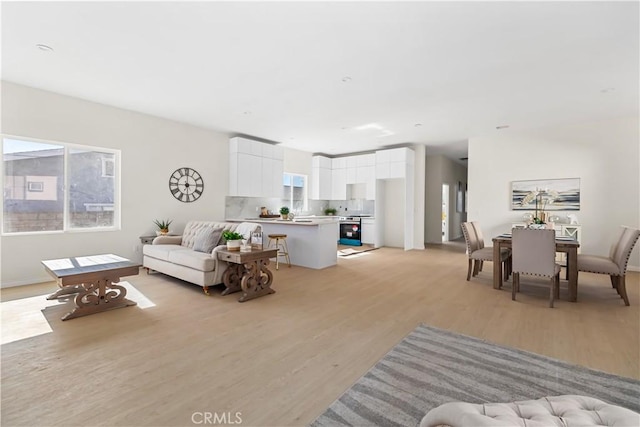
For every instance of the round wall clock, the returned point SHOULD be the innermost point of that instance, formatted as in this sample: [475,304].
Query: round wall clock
[186,185]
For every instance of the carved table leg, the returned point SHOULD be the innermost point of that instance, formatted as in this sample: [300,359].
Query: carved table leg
[65,290]
[102,295]
[256,281]
[231,278]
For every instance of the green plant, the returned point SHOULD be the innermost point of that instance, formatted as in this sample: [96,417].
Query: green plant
[330,211]
[284,210]
[232,235]
[163,225]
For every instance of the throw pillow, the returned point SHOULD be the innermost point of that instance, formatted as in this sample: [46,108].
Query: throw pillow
[207,239]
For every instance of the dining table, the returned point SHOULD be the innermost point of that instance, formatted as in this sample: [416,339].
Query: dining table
[563,244]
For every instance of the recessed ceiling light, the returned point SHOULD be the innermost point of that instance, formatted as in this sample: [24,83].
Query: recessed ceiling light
[418,125]
[44,48]
[502,127]
[346,79]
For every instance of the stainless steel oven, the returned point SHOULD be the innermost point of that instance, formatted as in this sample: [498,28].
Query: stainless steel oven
[350,231]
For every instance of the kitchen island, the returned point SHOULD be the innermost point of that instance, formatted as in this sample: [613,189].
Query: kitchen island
[312,243]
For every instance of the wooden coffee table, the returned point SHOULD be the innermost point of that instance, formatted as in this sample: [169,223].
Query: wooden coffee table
[95,281]
[248,272]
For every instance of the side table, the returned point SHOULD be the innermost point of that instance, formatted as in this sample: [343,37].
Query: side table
[248,272]
[147,240]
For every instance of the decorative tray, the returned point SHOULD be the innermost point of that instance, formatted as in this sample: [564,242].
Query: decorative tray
[269,216]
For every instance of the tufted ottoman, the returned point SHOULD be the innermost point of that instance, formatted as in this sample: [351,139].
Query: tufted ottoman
[561,411]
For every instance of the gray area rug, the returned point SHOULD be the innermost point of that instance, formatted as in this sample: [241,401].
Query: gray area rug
[431,366]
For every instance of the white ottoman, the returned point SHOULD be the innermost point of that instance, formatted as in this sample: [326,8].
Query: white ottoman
[561,411]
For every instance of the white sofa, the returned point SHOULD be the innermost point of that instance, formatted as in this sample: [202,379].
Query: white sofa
[560,411]
[175,256]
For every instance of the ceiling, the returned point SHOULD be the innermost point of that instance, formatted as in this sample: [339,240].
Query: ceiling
[336,77]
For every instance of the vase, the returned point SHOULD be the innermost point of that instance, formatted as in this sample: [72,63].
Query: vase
[233,245]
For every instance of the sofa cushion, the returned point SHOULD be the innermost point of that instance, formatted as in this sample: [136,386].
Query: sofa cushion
[568,410]
[193,227]
[192,259]
[207,239]
[161,251]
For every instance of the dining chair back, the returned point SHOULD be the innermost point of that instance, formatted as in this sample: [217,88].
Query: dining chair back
[477,254]
[533,253]
[615,265]
[479,235]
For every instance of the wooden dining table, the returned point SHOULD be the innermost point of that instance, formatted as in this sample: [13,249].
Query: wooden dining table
[563,244]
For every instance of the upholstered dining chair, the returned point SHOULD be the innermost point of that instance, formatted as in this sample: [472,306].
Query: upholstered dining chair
[534,253]
[480,237]
[615,265]
[477,253]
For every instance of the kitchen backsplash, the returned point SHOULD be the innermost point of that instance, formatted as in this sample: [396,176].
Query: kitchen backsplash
[249,207]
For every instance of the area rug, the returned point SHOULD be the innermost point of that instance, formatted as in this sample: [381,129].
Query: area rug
[350,251]
[431,366]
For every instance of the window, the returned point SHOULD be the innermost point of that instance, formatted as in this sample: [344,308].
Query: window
[58,187]
[295,191]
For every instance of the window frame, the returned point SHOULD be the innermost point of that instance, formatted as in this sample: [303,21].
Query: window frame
[289,200]
[67,147]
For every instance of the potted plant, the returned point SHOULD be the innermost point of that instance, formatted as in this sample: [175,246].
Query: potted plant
[163,226]
[284,212]
[330,211]
[234,240]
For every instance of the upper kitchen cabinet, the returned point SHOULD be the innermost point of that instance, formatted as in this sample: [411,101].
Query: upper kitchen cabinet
[393,163]
[321,178]
[255,168]
[339,178]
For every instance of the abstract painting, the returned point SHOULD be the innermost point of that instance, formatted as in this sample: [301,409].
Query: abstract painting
[550,194]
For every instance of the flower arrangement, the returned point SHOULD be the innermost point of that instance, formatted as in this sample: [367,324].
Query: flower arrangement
[542,198]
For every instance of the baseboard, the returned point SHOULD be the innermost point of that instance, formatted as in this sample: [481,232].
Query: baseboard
[633,268]
[23,282]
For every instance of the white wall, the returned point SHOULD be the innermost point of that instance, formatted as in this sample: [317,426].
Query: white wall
[152,148]
[441,170]
[394,211]
[419,196]
[605,156]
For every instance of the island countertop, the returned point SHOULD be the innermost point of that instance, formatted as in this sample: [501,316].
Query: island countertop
[311,243]
[295,221]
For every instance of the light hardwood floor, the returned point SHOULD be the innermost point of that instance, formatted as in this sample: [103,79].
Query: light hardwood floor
[282,359]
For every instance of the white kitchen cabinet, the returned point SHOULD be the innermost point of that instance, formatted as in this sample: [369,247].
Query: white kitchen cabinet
[255,168]
[393,163]
[352,175]
[321,178]
[338,184]
[248,175]
[368,234]
[339,163]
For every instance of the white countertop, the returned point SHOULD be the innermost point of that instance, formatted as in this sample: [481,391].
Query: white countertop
[295,221]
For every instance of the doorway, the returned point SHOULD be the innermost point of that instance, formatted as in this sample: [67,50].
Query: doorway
[445,212]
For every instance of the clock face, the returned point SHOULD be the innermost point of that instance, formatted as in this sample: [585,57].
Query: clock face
[186,185]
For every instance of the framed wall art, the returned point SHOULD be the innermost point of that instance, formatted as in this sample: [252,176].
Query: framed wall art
[546,194]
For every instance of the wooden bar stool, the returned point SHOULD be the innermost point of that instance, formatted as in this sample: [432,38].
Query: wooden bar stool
[280,243]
